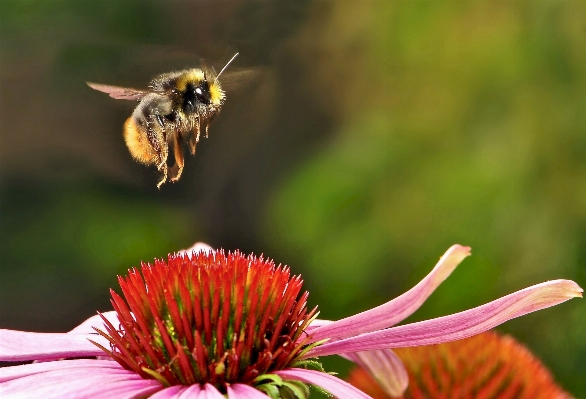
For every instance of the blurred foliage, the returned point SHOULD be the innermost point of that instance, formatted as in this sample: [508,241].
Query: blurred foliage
[378,134]
[66,244]
[458,122]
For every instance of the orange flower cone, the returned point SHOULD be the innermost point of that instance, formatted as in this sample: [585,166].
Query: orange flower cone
[486,366]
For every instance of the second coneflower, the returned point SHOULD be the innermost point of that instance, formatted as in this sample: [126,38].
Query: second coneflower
[486,366]
[208,324]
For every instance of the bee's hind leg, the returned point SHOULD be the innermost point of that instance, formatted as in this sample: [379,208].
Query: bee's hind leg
[177,169]
[157,129]
[162,166]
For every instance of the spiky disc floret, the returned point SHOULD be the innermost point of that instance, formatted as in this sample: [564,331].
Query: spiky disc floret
[212,318]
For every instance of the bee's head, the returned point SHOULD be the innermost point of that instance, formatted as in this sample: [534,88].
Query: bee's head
[199,92]
[217,95]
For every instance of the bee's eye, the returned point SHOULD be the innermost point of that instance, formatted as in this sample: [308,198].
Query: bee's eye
[202,93]
[194,95]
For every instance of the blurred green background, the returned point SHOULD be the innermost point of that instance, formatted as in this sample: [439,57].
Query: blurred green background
[372,137]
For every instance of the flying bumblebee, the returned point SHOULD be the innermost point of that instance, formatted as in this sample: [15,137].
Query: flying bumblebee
[174,110]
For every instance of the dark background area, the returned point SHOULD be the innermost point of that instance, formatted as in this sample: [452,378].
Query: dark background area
[369,138]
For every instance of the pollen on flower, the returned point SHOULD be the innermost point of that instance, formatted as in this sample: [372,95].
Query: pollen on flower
[485,366]
[213,318]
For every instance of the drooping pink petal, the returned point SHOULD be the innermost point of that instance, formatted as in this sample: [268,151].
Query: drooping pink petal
[80,383]
[96,321]
[14,372]
[197,247]
[22,345]
[398,309]
[385,367]
[337,387]
[168,393]
[459,325]
[241,391]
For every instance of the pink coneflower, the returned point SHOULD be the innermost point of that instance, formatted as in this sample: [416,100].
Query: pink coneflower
[209,324]
[486,366]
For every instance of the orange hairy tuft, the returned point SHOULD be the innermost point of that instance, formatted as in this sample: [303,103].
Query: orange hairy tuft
[138,144]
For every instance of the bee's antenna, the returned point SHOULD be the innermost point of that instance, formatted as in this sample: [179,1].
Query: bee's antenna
[225,66]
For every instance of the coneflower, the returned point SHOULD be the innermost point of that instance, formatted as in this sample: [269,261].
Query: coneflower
[486,366]
[207,324]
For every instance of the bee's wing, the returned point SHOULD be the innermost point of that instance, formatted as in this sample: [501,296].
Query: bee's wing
[119,93]
[240,79]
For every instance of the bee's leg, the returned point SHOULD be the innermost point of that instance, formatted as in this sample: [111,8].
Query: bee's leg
[162,167]
[158,139]
[194,137]
[208,122]
[179,162]
[164,178]
[207,128]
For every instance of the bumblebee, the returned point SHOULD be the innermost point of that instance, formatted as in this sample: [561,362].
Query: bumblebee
[175,110]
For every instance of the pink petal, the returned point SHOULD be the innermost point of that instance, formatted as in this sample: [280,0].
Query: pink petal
[23,346]
[80,383]
[459,325]
[96,321]
[317,323]
[241,391]
[210,392]
[14,372]
[168,393]
[197,247]
[190,392]
[338,388]
[398,309]
[385,367]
